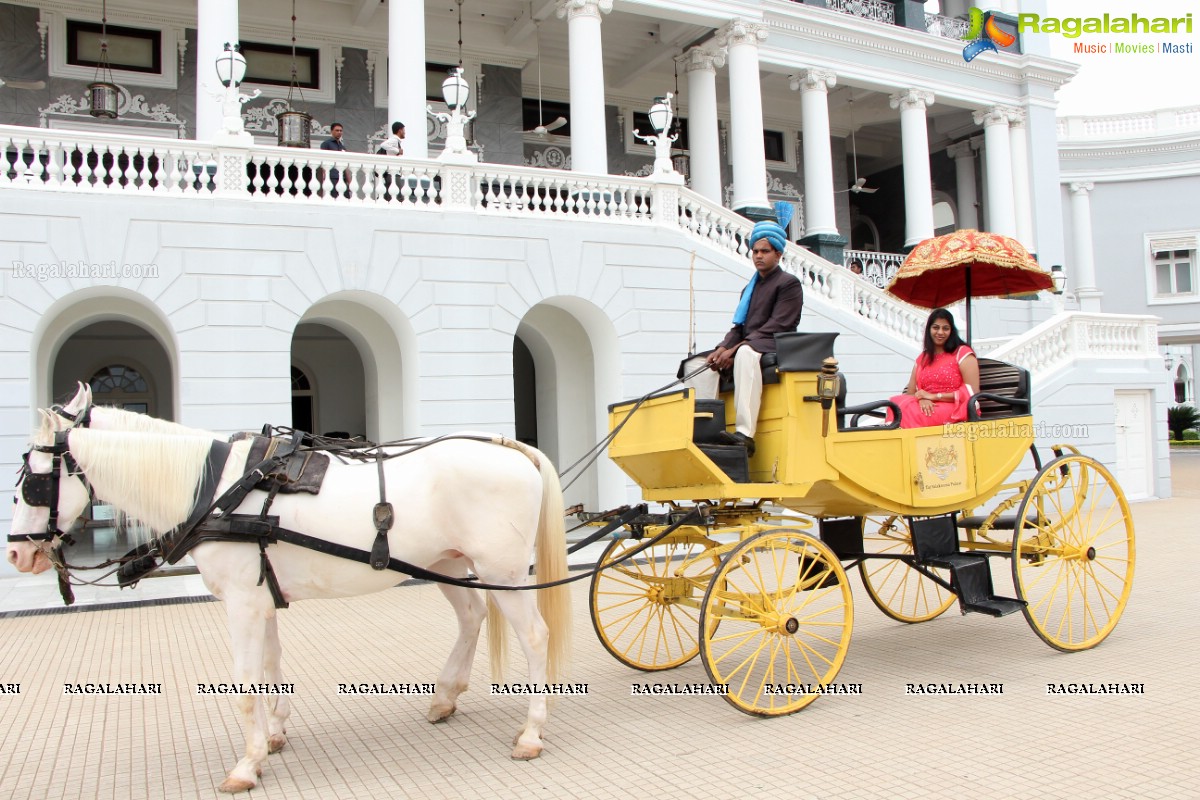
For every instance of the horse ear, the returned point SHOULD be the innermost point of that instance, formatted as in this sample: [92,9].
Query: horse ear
[86,388]
[49,422]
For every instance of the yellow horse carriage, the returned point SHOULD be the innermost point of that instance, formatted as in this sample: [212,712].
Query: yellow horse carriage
[754,582]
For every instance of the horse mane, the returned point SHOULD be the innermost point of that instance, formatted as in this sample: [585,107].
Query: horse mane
[151,477]
[133,421]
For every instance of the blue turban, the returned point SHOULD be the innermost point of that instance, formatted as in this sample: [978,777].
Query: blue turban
[774,232]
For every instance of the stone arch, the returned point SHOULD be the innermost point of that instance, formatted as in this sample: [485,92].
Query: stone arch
[103,309]
[386,343]
[576,372]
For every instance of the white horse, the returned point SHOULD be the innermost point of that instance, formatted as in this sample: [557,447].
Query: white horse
[467,505]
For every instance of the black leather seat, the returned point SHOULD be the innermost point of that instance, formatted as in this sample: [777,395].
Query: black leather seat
[1004,391]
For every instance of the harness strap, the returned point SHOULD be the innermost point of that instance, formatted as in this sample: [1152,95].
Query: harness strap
[383,517]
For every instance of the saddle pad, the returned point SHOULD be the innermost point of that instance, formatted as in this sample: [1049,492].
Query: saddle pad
[312,473]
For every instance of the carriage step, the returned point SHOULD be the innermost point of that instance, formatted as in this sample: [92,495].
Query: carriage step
[994,606]
[971,577]
[730,459]
[1001,523]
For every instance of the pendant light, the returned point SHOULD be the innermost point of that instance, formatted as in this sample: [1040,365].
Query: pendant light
[103,94]
[295,127]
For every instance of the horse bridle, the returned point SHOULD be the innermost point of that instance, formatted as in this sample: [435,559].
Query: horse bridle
[41,490]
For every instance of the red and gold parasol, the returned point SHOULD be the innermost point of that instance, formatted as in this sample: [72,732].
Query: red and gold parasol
[966,264]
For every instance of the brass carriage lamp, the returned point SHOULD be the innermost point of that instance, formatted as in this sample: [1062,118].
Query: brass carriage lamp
[829,385]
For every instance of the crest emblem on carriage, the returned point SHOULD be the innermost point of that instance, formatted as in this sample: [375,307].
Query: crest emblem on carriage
[941,461]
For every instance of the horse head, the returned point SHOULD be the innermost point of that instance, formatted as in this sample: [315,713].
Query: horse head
[52,495]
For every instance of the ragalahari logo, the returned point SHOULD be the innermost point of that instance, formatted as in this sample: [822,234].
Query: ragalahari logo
[984,34]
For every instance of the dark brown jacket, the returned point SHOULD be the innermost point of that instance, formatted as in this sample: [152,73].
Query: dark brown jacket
[775,308]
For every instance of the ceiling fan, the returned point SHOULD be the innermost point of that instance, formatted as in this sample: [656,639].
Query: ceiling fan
[860,184]
[541,129]
[30,85]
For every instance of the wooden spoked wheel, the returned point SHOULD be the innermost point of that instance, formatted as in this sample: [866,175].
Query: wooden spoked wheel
[897,589]
[785,613]
[1073,553]
[646,610]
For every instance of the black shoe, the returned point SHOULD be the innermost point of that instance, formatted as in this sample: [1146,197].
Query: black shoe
[739,439]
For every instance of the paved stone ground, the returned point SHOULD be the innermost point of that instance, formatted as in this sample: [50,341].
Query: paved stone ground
[882,744]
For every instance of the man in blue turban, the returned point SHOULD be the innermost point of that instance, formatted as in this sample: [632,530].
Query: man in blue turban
[771,303]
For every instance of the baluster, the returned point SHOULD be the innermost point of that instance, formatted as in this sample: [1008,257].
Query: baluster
[272,184]
[55,154]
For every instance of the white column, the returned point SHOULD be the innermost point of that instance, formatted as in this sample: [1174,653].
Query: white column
[704,140]
[918,184]
[1084,266]
[964,175]
[1022,191]
[406,74]
[216,24]
[819,214]
[1001,208]
[589,134]
[745,116]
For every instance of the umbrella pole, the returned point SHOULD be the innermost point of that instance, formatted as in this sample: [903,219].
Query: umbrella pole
[970,329]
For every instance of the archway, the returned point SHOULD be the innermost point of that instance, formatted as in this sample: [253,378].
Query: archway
[359,352]
[86,332]
[124,363]
[565,373]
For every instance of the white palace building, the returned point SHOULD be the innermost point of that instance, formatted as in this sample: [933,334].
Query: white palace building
[523,276]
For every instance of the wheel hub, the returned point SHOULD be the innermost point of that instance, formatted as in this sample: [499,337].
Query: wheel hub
[781,624]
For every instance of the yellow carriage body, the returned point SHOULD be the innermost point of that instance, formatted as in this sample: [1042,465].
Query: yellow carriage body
[812,466]
[900,504]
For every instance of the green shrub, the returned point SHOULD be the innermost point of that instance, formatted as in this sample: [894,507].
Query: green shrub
[1182,418]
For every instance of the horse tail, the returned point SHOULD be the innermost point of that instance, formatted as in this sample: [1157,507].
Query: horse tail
[550,565]
[497,640]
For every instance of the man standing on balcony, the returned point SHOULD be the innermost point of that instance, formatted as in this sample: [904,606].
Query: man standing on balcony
[391,146]
[771,303]
[334,143]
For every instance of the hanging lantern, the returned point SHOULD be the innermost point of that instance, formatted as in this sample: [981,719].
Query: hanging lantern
[104,98]
[103,95]
[295,128]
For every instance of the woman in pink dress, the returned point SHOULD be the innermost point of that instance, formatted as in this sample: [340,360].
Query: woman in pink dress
[943,379]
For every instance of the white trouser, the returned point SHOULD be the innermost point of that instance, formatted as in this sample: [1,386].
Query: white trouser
[747,385]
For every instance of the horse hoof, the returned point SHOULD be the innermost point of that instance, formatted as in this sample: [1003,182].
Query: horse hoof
[526,752]
[276,743]
[235,785]
[440,713]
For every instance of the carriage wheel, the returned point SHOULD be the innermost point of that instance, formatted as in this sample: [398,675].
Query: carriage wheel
[894,587]
[1073,553]
[784,610]
[645,609]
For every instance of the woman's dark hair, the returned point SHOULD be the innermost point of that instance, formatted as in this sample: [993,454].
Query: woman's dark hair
[953,342]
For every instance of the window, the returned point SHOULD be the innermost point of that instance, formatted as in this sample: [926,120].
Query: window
[1173,272]
[129,49]
[773,146]
[122,386]
[271,64]
[1171,267]
[435,75]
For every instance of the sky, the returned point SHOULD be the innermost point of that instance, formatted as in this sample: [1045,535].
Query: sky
[1118,83]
